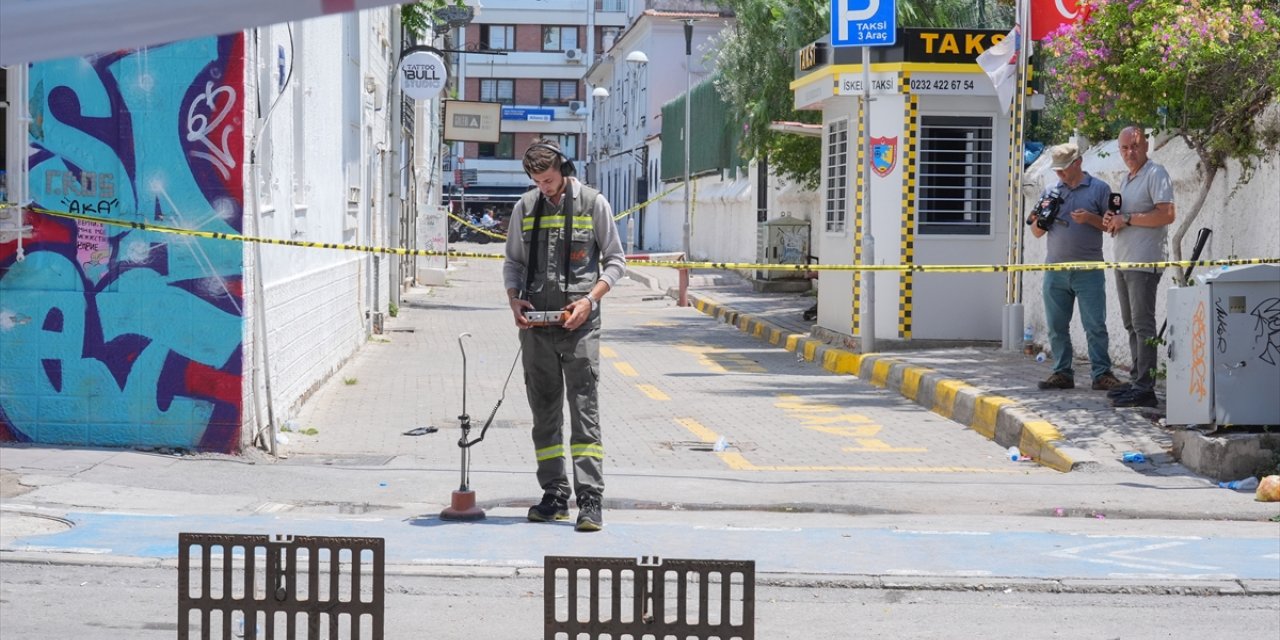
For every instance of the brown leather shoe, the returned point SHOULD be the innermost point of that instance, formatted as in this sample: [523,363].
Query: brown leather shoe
[1107,382]
[1057,381]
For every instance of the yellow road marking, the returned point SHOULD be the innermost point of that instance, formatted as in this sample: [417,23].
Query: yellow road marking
[702,433]
[738,462]
[608,352]
[721,361]
[653,392]
[860,431]
[813,421]
[625,369]
[879,446]
[862,428]
[875,469]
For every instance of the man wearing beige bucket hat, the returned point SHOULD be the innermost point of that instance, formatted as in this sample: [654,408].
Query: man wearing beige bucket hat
[1071,213]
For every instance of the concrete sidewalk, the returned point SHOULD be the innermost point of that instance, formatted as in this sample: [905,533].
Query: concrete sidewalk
[983,387]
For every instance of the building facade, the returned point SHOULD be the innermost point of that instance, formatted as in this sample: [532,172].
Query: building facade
[643,68]
[532,62]
[171,336]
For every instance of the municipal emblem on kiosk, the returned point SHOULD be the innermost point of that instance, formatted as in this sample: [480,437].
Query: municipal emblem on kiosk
[884,155]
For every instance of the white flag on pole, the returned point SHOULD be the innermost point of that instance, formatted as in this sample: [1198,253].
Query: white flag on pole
[1000,62]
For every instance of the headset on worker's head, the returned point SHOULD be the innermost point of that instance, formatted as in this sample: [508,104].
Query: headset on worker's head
[566,165]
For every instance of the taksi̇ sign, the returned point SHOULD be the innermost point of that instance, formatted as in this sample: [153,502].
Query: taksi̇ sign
[863,23]
[422,75]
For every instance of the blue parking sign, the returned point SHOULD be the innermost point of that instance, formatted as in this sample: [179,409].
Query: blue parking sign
[863,23]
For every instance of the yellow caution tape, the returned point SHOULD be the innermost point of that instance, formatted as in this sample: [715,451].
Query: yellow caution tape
[742,266]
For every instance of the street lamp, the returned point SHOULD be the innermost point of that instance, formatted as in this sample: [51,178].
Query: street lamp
[598,94]
[637,59]
[688,99]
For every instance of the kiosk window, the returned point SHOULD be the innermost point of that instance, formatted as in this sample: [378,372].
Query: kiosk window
[955,175]
[837,174]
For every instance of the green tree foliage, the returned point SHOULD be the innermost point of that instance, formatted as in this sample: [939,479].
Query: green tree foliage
[755,62]
[755,72]
[1204,69]
[416,16]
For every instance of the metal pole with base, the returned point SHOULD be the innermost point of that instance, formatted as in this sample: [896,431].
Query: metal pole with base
[462,505]
[867,319]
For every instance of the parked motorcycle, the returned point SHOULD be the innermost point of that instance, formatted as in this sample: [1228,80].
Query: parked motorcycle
[459,232]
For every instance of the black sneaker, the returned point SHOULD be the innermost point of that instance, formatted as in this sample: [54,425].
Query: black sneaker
[1123,390]
[551,508]
[1136,399]
[590,517]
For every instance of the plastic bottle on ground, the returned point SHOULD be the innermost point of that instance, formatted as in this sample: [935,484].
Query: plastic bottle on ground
[1015,455]
[1246,484]
[1028,336]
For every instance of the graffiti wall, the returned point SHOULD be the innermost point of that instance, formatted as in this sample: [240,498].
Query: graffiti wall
[111,336]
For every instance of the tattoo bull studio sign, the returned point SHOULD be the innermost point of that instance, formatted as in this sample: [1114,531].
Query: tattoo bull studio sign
[422,74]
[938,153]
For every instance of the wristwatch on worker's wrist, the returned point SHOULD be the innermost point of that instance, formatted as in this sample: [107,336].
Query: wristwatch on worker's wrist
[1128,219]
[595,302]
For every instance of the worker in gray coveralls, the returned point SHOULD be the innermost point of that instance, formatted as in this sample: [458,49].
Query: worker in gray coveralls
[563,255]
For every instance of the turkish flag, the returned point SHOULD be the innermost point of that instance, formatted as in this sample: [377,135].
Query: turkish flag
[1047,15]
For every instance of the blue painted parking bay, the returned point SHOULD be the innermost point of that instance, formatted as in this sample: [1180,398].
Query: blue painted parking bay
[513,542]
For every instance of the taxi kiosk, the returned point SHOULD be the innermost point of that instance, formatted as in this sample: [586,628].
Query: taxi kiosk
[939,183]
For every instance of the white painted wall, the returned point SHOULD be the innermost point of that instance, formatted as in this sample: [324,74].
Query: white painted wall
[724,227]
[320,162]
[1245,219]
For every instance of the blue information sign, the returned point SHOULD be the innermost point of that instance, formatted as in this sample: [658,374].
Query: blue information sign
[531,114]
[863,23]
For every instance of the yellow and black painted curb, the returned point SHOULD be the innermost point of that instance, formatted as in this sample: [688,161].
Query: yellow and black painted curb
[994,417]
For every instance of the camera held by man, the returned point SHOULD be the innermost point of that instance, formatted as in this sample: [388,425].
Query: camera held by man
[1045,213]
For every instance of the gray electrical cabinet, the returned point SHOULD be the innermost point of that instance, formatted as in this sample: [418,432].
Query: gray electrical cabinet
[1224,349]
[783,240]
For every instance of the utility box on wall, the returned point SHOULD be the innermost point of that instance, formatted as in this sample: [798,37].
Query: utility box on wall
[1224,349]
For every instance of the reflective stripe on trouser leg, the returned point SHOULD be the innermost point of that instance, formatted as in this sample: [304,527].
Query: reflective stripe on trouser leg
[545,388]
[581,375]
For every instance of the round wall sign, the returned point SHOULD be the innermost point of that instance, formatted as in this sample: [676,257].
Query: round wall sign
[422,75]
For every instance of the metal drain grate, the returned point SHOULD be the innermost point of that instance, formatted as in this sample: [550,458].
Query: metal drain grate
[257,586]
[648,598]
